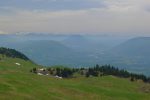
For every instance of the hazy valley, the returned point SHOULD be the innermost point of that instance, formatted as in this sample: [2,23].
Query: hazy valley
[131,53]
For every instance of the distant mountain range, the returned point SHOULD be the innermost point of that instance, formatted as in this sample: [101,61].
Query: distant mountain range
[134,47]
[133,54]
[80,50]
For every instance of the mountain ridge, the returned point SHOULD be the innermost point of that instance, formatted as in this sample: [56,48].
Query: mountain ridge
[12,53]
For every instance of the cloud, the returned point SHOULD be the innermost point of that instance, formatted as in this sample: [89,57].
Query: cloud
[117,17]
[52,4]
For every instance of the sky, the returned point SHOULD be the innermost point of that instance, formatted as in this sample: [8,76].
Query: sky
[105,17]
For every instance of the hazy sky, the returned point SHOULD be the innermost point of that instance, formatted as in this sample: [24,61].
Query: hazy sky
[110,17]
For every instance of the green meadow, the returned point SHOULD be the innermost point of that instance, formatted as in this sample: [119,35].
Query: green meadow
[18,83]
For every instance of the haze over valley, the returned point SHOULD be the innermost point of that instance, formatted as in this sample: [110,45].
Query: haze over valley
[74,49]
[131,53]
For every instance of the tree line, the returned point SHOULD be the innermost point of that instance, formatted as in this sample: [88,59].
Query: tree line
[110,70]
[96,71]
[12,53]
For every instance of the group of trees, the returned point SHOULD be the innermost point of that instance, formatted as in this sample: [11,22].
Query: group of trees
[110,70]
[12,53]
[63,72]
[58,71]
[97,71]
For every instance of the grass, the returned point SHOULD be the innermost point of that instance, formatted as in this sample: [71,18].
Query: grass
[17,83]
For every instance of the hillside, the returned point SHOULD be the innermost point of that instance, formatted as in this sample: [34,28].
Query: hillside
[81,50]
[134,47]
[133,54]
[71,50]
[84,43]
[18,83]
[12,53]
[47,50]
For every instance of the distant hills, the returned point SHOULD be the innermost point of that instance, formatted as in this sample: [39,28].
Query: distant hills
[81,50]
[133,54]
[46,52]
[134,47]
[82,43]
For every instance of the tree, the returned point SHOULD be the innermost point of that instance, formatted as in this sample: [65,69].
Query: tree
[87,74]
[34,70]
[132,79]
[58,72]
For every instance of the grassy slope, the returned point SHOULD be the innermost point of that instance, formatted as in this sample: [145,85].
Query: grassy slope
[17,83]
